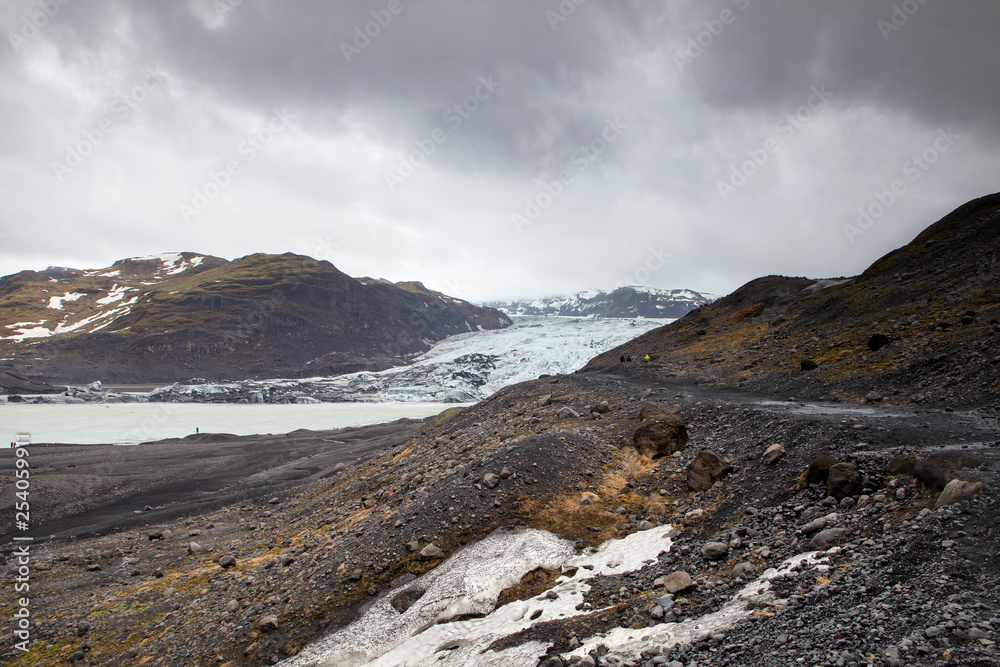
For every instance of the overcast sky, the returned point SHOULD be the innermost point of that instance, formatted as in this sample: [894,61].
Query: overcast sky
[495,149]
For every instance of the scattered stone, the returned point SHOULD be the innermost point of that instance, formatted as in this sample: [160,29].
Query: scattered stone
[194,548]
[405,598]
[544,400]
[958,490]
[843,479]
[227,562]
[694,516]
[646,525]
[705,470]
[568,413]
[232,606]
[773,454]
[819,469]
[877,342]
[825,538]
[675,582]
[431,552]
[267,623]
[715,550]
[744,569]
[490,480]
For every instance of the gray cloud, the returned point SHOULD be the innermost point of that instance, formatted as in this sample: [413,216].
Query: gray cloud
[382,174]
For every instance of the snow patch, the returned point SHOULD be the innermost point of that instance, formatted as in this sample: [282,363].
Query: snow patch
[34,332]
[56,302]
[470,582]
[116,294]
[111,274]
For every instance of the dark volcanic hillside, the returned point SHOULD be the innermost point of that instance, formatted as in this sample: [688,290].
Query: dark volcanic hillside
[175,316]
[920,324]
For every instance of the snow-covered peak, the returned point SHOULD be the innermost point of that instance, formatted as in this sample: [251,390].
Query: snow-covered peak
[630,301]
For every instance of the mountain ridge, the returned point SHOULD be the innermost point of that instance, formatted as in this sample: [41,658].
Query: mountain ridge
[627,301]
[172,316]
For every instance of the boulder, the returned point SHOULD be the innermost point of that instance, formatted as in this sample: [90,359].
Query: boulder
[937,470]
[227,562]
[568,413]
[901,465]
[706,469]
[773,454]
[267,623]
[825,538]
[958,490]
[601,408]
[675,582]
[877,342]
[843,480]
[661,431]
[544,400]
[715,550]
[431,552]
[694,516]
[819,468]
[744,570]
[491,480]
[405,598]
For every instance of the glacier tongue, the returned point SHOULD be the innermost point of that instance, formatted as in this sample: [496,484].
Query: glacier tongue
[460,369]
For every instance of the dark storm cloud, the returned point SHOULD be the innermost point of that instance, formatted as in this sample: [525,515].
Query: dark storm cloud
[423,131]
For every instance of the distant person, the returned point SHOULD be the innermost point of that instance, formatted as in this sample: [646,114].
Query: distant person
[197,430]
[622,359]
[646,358]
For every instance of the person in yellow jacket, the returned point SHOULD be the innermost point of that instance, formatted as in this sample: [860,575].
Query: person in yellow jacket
[646,358]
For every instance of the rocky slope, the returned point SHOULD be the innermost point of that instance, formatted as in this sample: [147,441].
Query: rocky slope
[920,325]
[622,302]
[176,316]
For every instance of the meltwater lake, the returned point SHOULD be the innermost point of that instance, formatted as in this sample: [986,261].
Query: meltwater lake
[132,423]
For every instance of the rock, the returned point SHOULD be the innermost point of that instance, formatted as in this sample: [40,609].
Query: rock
[544,400]
[490,480]
[586,661]
[412,546]
[232,606]
[824,538]
[705,470]
[586,499]
[646,525]
[808,365]
[937,470]
[267,623]
[227,562]
[694,516]
[601,408]
[744,570]
[819,469]
[431,552]
[877,342]
[82,628]
[193,548]
[274,501]
[505,473]
[715,550]
[403,580]
[405,598]
[156,535]
[958,490]
[813,526]
[901,465]
[773,454]
[661,431]
[675,582]
[568,413]
[843,480]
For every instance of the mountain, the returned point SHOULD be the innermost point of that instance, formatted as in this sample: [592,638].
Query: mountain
[622,302]
[173,316]
[921,323]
